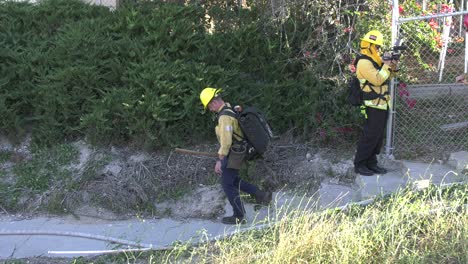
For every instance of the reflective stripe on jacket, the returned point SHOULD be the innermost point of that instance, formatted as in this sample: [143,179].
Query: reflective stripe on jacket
[224,131]
[365,70]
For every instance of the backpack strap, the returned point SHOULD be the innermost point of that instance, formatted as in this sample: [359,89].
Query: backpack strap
[378,67]
[365,57]
[226,110]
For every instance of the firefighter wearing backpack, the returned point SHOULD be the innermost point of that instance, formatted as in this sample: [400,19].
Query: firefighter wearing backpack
[373,74]
[229,133]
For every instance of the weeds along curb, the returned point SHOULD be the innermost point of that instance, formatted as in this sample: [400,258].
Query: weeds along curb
[151,247]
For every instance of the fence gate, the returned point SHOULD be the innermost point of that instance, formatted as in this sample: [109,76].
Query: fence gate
[430,117]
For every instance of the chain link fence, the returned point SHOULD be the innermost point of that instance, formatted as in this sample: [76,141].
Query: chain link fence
[431,105]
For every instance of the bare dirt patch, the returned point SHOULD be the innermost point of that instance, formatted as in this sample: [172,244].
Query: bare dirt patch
[119,183]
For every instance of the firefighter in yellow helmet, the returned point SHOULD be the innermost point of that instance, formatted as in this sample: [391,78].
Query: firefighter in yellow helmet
[229,133]
[374,75]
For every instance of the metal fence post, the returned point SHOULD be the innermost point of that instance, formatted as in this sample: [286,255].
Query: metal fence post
[389,140]
[466,42]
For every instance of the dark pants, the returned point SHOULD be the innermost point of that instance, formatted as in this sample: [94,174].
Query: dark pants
[372,136]
[232,183]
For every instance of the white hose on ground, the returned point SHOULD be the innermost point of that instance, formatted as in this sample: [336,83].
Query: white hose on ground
[72,234]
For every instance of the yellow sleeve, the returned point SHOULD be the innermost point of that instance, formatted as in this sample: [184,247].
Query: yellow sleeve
[366,70]
[225,126]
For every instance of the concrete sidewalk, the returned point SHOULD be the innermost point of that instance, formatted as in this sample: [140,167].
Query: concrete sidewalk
[155,233]
[158,233]
[164,232]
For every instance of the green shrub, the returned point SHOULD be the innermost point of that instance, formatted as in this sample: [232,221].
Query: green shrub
[73,70]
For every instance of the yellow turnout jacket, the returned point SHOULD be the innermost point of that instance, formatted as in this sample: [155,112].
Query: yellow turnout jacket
[365,71]
[225,129]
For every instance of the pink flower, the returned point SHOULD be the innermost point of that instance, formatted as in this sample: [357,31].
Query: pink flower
[433,24]
[450,51]
[443,6]
[403,90]
[401,9]
[446,8]
[410,102]
[403,93]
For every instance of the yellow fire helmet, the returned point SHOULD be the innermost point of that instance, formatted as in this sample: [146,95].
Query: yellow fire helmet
[207,95]
[374,37]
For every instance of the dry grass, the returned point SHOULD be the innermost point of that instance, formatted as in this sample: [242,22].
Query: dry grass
[168,176]
[428,227]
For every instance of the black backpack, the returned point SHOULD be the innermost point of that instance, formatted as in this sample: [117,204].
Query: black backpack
[257,132]
[356,95]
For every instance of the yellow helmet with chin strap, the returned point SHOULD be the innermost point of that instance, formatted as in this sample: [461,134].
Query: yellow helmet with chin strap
[374,37]
[207,95]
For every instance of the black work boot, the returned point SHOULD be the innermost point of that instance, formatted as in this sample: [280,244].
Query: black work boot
[363,170]
[376,169]
[233,220]
[263,198]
